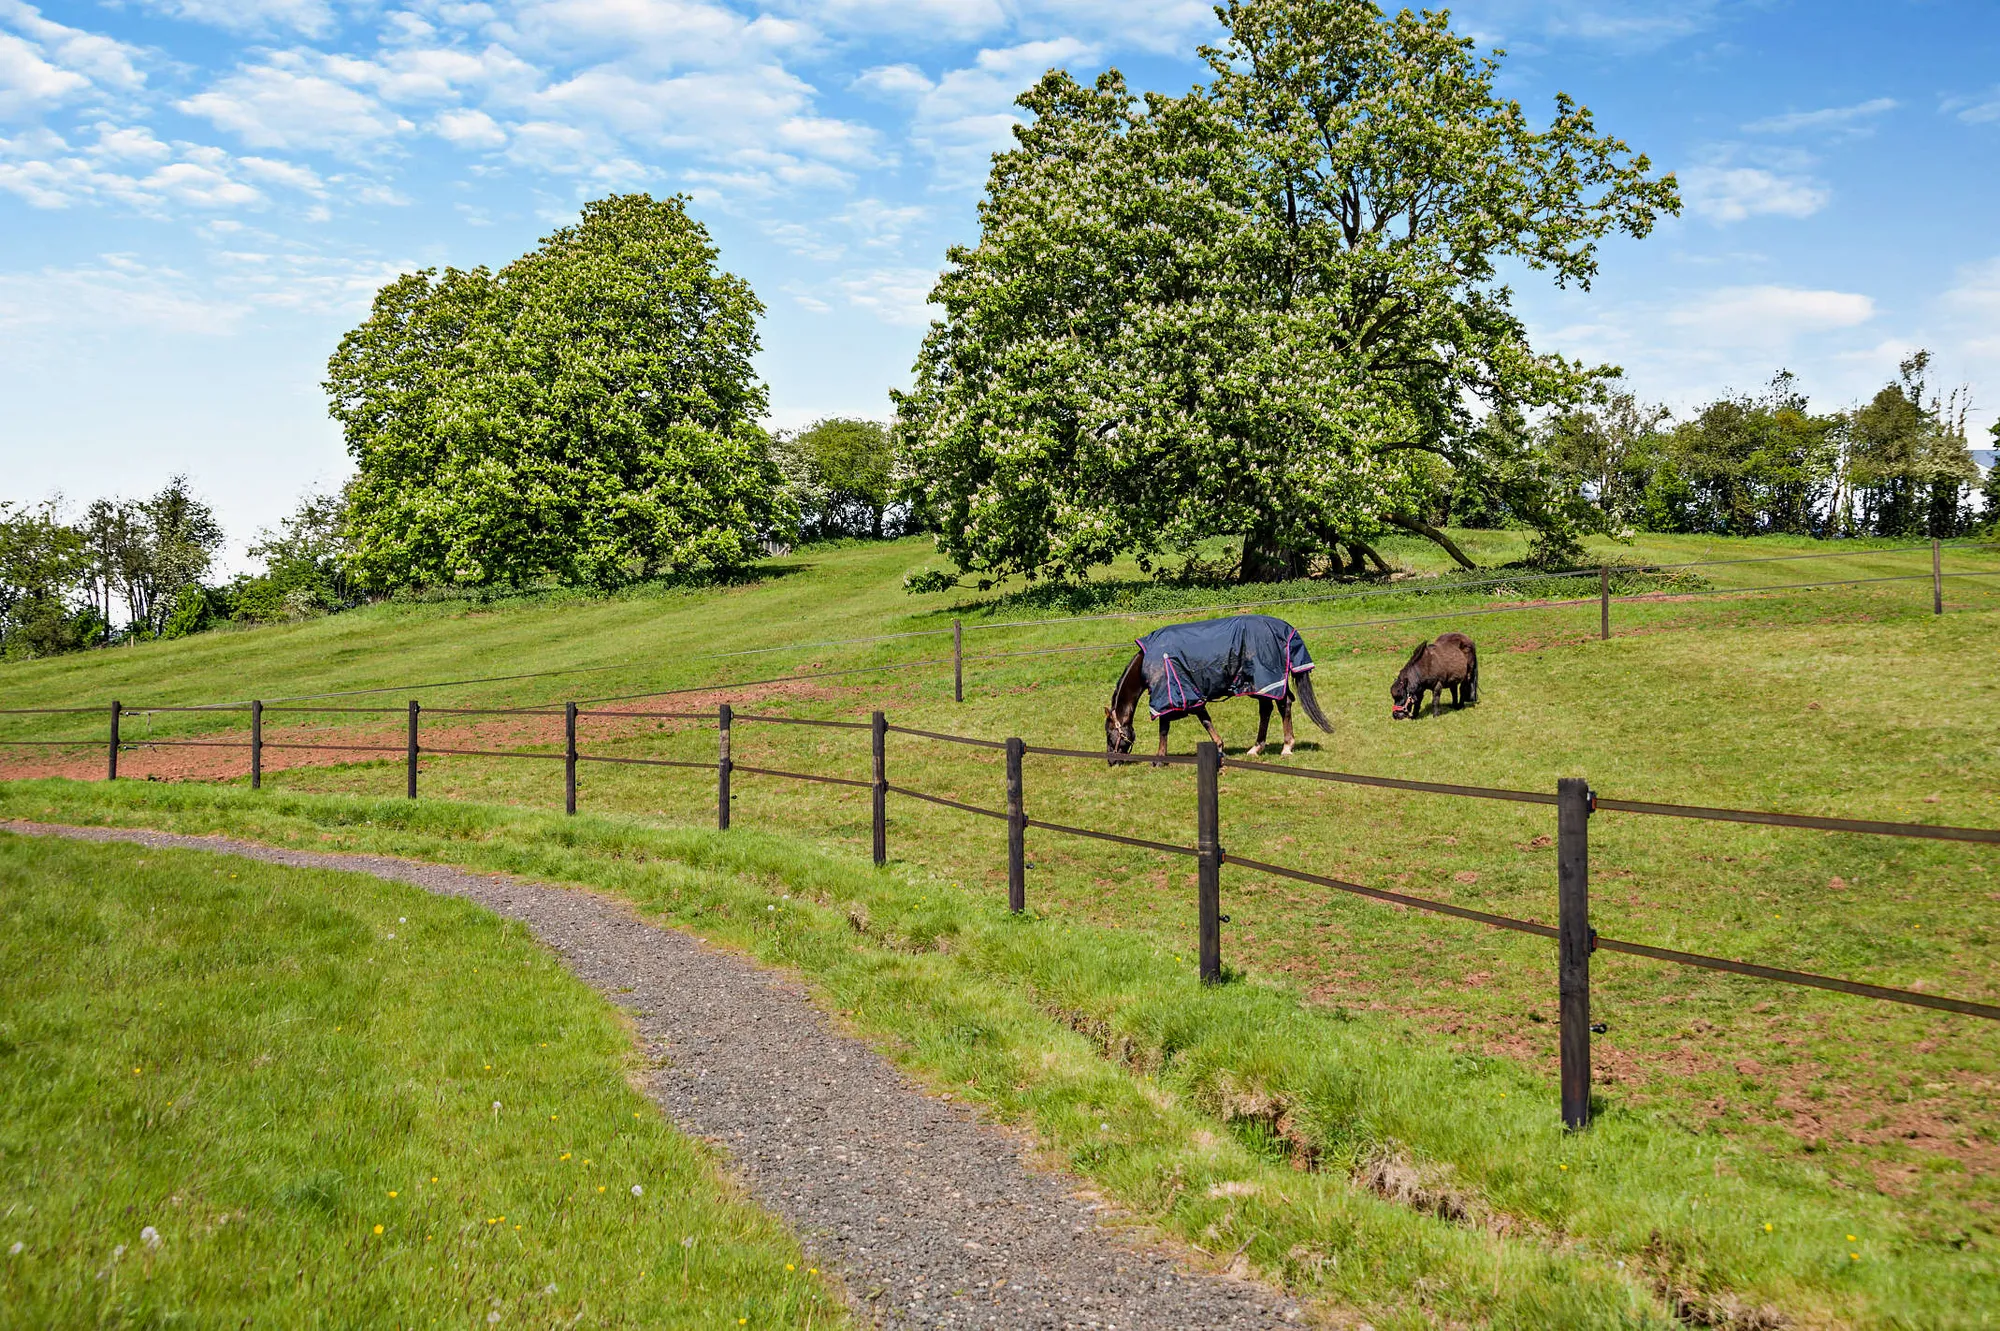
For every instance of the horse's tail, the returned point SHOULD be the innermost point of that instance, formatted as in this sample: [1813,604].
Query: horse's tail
[1302,684]
[1473,652]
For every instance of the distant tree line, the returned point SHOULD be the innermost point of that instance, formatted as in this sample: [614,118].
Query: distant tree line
[133,570]
[1747,464]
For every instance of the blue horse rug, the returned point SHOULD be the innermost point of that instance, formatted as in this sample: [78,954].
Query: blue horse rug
[1189,665]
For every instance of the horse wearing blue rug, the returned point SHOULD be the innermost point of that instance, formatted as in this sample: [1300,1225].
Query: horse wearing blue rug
[1182,668]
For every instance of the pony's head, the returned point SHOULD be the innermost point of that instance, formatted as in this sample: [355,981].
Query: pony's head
[1408,687]
[1118,735]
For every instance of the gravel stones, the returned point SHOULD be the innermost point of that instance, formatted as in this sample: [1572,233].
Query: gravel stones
[929,1217]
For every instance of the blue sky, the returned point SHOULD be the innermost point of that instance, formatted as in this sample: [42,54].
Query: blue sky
[198,196]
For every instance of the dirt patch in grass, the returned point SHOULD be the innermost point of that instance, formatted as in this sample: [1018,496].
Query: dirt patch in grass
[141,759]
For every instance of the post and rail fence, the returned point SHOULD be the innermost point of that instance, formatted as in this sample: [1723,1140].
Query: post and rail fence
[1573,799]
[1575,804]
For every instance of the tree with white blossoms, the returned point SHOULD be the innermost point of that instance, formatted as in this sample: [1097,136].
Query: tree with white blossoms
[1271,307]
[587,413]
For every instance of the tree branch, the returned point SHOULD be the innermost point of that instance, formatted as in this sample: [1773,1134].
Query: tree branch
[1430,533]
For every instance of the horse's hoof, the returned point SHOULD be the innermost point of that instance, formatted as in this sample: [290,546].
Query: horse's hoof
[1254,751]
[1285,752]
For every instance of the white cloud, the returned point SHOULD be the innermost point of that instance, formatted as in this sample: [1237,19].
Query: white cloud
[1733,193]
[969,114]
[1983,109]
[44,64]
[469,129]
[897,296]
[116,292]
[289,174]
[1849,118]
[655,34]
[1763,316]
[30,82]
[133,143]
[105,62]
[291,102]
[314,18]
[894,80]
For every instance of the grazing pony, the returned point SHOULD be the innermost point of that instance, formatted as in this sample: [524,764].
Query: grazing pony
[1452,662]
[1184,667]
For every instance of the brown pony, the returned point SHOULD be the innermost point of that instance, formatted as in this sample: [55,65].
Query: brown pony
[1452,662]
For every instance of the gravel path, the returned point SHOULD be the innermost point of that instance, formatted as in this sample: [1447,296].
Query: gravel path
[930,1217]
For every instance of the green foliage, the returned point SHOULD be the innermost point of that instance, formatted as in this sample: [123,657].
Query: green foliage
[289,1077]
[1909,468]
[838,474]
[1745,466]
[42,563]
[587,412]
[304,570]
[1989,489]
[195,609]
[1264,307]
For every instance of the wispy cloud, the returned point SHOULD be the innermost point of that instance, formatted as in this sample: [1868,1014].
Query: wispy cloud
[1979,109]
[1734,193]
[1850,119]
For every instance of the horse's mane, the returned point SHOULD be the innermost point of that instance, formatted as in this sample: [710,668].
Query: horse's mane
[1131,669]
[1414,656]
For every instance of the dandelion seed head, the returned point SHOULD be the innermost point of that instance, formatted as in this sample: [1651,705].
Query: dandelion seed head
[15,1251]
[638,1191]
[117,1252]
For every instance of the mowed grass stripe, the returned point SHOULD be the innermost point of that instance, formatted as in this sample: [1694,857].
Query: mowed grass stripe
[238,1094]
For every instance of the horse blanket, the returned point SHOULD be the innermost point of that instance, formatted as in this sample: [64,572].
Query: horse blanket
[1189,665]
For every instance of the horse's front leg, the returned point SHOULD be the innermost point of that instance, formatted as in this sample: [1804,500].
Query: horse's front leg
[1160,759]
[1201,715]
[1285,714]
[1263,727]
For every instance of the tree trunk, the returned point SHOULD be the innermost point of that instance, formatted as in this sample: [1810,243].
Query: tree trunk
[1266,559]
[1430,533]
[1364,550]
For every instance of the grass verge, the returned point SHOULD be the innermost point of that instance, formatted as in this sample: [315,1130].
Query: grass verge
[1353,1156]
[238,1094]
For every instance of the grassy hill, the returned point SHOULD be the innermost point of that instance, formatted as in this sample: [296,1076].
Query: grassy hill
[1360,1040]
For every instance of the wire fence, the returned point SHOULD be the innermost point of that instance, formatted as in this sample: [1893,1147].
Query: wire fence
[959,659]
[1575,803]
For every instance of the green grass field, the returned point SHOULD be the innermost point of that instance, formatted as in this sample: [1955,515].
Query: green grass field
[1365,1051]
[238,1094]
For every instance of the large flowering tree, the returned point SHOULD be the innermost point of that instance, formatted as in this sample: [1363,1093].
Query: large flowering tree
[1273,306]
[588,413]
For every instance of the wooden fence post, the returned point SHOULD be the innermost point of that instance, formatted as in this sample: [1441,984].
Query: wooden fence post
[878,736]
[1604,602]
[1574,942]
[117,710]
[569,758]
[1017,830]
[1208,859]
[256,745]
[410,753]
[957,661]
[722,766]
[1937,577]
